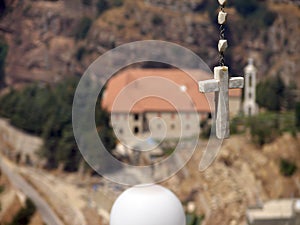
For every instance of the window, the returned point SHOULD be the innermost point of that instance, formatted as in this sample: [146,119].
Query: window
[209,116]
[187,127]
[121,131]
[136,130]
[250,80]
[172,126]
[136,116]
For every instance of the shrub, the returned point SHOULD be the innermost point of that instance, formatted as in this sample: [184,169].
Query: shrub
[49,115]
[297,115]
[271,93]
[236,124]
[2,188]
[80,52]
[83,28]
[86,2]
[157,20]
[102,6]
[24,214]
[255,13]
[264,128]
[117,3]
[269,18]
[287,168]
[193,219]
[3,54]
[2,7]
[246,8]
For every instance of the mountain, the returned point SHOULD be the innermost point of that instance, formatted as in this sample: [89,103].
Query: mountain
[50,40]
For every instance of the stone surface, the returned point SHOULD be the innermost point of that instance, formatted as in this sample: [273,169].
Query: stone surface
[222,45]
[222,17]
[209,86]
[236,82]
[222,102]
[220,84]
[222,2]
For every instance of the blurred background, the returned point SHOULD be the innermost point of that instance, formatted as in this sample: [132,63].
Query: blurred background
[45,47]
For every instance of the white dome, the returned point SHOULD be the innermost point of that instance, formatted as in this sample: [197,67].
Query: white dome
[147,205]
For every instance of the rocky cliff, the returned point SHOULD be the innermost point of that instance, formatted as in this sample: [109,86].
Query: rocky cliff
[49,40]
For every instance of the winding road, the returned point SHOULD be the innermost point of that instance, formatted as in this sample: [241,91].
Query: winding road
[48,215]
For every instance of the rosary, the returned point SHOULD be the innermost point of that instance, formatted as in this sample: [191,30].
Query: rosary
[221,82]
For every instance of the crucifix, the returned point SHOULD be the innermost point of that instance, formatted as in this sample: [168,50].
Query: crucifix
[221,82]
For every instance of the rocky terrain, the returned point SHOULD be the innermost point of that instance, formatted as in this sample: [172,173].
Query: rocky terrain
[242,176]
[47,40]
[51,40]
[12,200]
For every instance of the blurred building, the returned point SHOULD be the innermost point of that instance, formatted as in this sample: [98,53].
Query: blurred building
[250,106]
[275,212]
[161,101]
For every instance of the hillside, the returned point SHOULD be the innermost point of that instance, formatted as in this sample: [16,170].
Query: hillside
[12,202]
[50,40]
[242,176]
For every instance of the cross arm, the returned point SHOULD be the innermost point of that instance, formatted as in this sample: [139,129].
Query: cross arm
[208,86]
[236,82]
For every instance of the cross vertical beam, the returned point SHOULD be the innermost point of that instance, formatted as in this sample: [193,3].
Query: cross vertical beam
[222,102]
[221,85]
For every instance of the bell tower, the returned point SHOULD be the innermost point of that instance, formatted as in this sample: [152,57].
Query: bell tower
[250,106]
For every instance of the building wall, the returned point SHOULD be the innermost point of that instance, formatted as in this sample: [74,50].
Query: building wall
[274,222]
[159,123]
[234,106]
[120,125]
[184,124]
[140,124]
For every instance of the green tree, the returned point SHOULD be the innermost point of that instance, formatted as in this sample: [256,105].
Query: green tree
[297,115]
[102,6]
[86,2]
[117,3]
[287,168]
[264,128]
[24,214]
[271,94]
[246,8]
[2,7]
[47,111]
[290,96]
[83,28]
[3,54]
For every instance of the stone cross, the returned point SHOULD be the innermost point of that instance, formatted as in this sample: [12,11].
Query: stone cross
[220,85]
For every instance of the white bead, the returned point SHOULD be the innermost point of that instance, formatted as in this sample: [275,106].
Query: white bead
[147,205]
[222,17]
[222,2]
[222,45]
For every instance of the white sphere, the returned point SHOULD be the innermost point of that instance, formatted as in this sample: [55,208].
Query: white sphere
[147,205]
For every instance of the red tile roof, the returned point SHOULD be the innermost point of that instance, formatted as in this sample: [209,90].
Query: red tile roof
[144,90]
